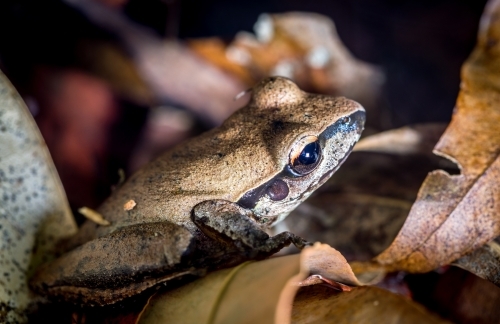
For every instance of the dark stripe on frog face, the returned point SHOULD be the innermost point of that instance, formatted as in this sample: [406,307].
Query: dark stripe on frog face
[275,185]
[277,189]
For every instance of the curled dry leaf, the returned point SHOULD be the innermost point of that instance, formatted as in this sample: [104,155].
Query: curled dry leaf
[34,212]
[456,214]
[323,261]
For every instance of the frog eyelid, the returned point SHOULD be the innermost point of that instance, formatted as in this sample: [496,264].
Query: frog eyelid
[299,145]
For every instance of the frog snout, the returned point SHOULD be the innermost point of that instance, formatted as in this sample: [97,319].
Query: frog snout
[358,119]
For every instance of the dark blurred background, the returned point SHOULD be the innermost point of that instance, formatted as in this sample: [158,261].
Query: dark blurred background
[420,44]
[57,57]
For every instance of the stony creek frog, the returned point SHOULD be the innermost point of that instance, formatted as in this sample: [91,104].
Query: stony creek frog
[206,203]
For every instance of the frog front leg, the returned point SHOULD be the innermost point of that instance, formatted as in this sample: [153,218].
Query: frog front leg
[227,221]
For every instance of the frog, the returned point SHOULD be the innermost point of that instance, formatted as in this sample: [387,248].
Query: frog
[209,202]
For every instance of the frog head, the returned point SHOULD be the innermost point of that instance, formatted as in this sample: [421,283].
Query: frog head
[308,137]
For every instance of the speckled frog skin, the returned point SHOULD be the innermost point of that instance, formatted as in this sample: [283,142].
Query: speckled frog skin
[206,203]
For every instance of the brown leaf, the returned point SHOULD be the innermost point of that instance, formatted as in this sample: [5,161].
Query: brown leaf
[483,262]
[327,262]
[317,304]
[327,65]
[416,139]
[34,213]
[324,262]
[454,215]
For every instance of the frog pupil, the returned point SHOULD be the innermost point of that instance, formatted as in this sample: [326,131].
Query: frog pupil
[309,154]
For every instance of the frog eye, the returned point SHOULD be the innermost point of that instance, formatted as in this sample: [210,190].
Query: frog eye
[306,156]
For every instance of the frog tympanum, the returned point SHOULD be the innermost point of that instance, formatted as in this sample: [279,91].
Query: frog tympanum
[206,203]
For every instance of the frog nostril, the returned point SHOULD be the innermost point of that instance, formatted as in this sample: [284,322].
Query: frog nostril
[346,120]
[278,190]
[358,120]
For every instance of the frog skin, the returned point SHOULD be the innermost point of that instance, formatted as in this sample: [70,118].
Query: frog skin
[206,204]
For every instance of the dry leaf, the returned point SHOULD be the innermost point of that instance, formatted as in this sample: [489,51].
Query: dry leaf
[323,261]
[483,262]
[416,139]
[456,214]
[34,212]
[318,304]
[328,64]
